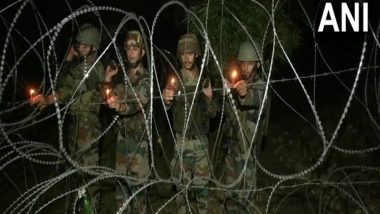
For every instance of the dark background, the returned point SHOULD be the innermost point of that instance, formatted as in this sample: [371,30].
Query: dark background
[292,138]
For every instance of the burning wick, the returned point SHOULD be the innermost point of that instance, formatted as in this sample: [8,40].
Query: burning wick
[31,93]
[234,75]
[172,81]
[107,93]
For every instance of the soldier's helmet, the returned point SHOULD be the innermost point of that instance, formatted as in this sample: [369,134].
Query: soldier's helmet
[88,34]
[188,43]
[133,38]
[248,53]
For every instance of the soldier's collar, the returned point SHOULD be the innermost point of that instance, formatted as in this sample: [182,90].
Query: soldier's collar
[195,70]
[90,58]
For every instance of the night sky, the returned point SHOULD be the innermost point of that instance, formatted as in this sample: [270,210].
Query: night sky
[291,118]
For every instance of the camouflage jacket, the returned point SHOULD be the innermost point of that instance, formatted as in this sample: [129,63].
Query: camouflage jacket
[87,97]
[248,108]
[132,121]
[201,111]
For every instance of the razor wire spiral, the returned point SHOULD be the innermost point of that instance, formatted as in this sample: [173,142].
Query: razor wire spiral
[18,148]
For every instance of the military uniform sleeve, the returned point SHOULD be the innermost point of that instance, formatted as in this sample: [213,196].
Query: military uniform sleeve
[65,87]
[135,104]
[96,77]
[68,66]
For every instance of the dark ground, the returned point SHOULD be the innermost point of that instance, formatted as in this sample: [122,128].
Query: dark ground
[288,150]
[293,145]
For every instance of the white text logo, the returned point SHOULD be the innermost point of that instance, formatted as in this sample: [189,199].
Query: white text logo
[346,14]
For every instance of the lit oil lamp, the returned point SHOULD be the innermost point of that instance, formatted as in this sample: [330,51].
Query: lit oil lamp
[108,91]
[172,82]
[31,92]
[234,75]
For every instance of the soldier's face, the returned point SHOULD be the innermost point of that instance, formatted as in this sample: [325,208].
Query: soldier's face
[249,68]
[134,53]
[188,60]
[85,49]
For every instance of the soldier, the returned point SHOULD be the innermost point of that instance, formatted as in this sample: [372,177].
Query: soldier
[248,97]
[84,126]
[192,143]
[131,103]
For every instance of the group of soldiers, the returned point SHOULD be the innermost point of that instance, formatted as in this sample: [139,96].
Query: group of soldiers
[190,99]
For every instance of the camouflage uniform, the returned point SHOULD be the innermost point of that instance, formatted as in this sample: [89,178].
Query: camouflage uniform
[238,145]
[248,110]
[85,126]
[132,140]
[84,110]
[195,143]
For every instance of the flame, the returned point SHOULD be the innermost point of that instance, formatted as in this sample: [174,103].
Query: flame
[234,74]
[108,91]
[171,85]
[31,92]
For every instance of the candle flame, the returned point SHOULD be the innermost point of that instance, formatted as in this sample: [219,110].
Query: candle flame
[172,81]
[107,91]
[234,74]
[32,91]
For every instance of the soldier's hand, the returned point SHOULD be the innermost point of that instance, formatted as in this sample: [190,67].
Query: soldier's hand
[110,72]
[71,54]
[114,103]
[168,96]
[40,101]
[242,88]
[207,89]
